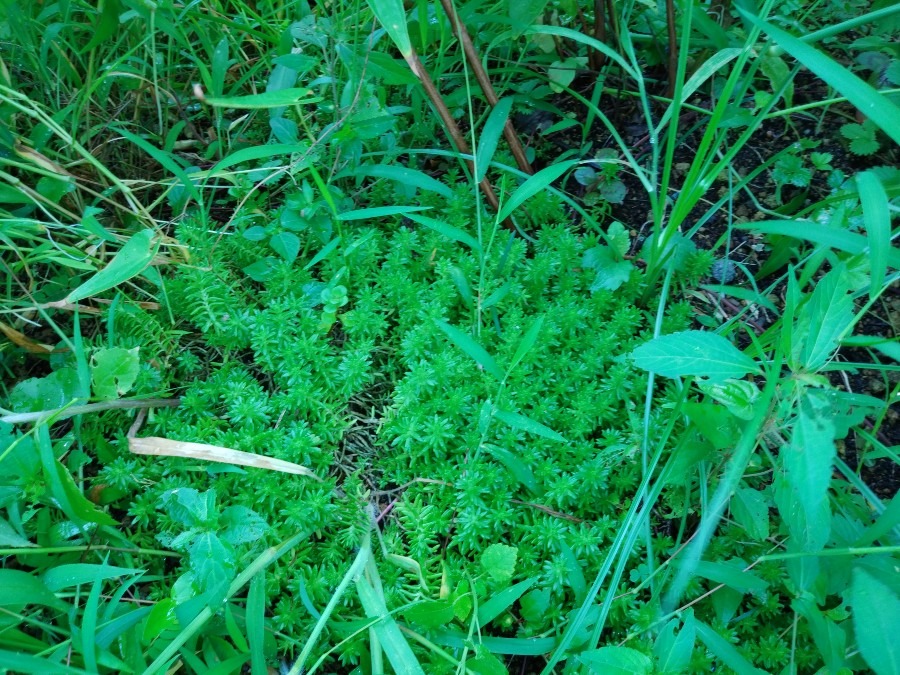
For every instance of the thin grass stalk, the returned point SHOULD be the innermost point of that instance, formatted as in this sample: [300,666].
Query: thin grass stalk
[352,573]
[262,561]
[643,499]
[484,81]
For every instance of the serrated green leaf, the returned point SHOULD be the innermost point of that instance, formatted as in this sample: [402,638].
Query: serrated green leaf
[131,260]
[822,321]
[472,348]
[695,353]
[430,613]
[618,238]
[9,538]
[750,510]
[611,272]
[876,618]
[616,661]
[241,525]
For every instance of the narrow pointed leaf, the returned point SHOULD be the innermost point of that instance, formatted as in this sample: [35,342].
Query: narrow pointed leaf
[132,259]
[517,421]
[500,602]
[448,231]
[539,181]
[527,342]
[392,15]
[472,348]
[490,136]
[878,226]
[873,105]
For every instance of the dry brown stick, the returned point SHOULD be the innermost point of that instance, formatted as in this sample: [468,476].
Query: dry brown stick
[613,22]
[598,58]
[453,130]
[484,82]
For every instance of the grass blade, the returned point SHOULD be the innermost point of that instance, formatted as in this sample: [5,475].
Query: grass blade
[872,104]
[533,185]
[264,100]
[842,240]
[262,561]
[448,231]
[491,609]
[132,259]
[878,226]
[256,623]
[406,176]
[392,15]
[490,136]
[523,423]
[527,342]
[379,212]
[472,348]
[725,651]
[25,663]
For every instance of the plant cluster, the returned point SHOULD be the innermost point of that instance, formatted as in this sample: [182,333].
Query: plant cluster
[302,372]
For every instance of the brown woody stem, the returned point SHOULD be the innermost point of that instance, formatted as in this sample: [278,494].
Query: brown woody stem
[453,130]
[484,82]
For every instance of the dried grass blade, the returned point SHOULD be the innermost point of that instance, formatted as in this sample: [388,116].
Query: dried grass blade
[163,447]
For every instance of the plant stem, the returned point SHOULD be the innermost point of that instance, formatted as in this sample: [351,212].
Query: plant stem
[71,411]
[509,133]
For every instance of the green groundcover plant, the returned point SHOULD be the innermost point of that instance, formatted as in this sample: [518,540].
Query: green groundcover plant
[301,373]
